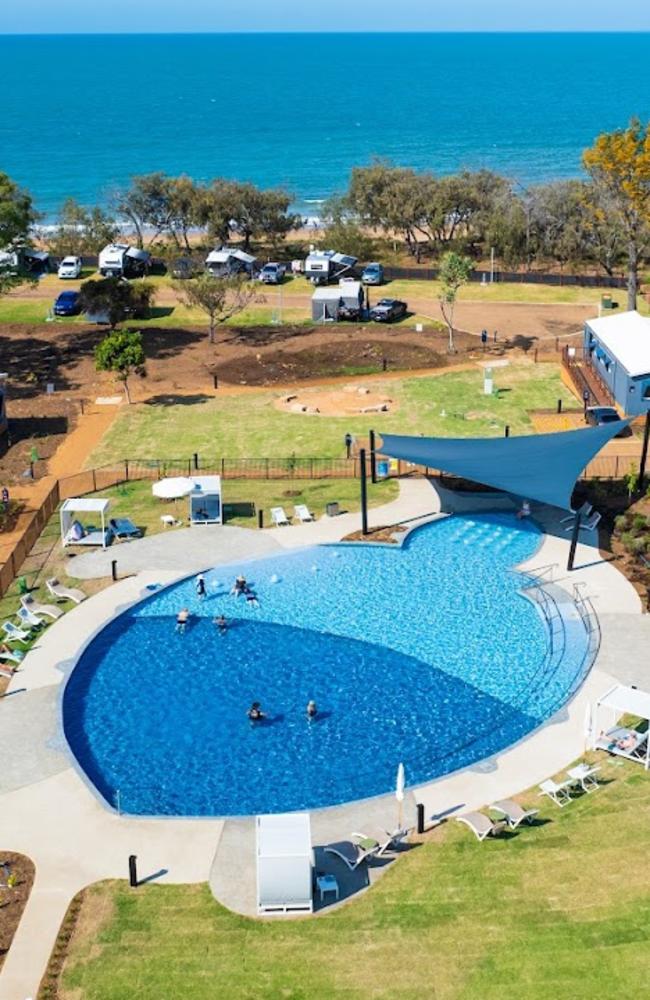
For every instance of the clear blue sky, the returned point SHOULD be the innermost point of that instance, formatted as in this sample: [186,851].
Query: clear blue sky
[60,16]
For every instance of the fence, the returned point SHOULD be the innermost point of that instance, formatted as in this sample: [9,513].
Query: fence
[36,520]
[516,277]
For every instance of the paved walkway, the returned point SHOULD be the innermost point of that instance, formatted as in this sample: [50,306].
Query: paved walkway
[51,814]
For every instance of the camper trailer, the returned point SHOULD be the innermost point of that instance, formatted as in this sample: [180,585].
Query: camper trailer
[351,299]
[224,262]
[335,304]
[323,266]
[119,260]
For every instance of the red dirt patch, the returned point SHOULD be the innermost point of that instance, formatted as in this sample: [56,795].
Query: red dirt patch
[13,898]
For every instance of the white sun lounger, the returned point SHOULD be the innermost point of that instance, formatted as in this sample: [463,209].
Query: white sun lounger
[27,619]
[170,521]
[590,524]
[636,743]
[370,843]
[62,593]
[11,657]
[481,826]
[558,792]
[584,777]
[584,510]
[279,517]
[352,855]
[303,513]
[14,633]
[49,610]
[513,813]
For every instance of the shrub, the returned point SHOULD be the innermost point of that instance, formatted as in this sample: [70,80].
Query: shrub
[639,522]
[621,522]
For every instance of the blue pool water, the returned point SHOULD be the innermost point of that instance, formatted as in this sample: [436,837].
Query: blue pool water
[428,655]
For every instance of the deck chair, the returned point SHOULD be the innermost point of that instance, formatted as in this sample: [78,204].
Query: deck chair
[369,843]
[14,633]
[584,510]
[633,742]
[27,619]
[590,524]
[124,528]
[558,791]
[279,517]
[352,855]
[62,593]
[49,610]
[10,656]
[303,513]
[482,826]
[513,813]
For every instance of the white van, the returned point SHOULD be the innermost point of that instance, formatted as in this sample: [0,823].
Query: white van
[70,267]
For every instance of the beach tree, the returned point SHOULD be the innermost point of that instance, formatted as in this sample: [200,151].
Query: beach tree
[219,298]
[185,209]
[146,204]
[121,352]
[619,166]
[17,216]
[81,230]
[453,273]
[115,298]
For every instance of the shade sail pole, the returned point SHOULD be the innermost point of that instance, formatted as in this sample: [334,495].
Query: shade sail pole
[574,542]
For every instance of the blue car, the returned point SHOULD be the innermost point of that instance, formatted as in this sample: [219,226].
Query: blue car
[67,304]
[373,274]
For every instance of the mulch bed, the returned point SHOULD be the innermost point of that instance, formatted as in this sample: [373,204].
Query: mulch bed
[382,534]
[13,899]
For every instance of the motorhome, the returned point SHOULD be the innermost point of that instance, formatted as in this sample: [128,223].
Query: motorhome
[224,262]
[323,266]
[119,260]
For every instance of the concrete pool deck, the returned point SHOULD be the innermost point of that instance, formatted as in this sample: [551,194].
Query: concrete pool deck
[50,813]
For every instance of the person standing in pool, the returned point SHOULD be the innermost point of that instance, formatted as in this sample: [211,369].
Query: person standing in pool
[200,586]
[255,713]
[251,598]
[239,586]
[182,619]
[221,624]
[312,711]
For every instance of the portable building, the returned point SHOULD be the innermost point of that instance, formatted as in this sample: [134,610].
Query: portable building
[326,305]
[205,500]
[284,863]
[618,348]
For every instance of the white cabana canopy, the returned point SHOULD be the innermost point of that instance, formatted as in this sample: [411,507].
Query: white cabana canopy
[73,531]
[172,488]
[622,700]
[205,500]
[284,863]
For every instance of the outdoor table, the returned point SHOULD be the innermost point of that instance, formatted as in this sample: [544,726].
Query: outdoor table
[327,883]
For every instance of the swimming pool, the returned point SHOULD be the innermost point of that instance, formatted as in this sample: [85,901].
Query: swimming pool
[428,654]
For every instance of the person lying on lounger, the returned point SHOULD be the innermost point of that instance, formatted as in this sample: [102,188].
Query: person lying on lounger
[627,743]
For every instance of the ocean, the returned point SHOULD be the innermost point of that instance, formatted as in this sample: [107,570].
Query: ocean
[81,114]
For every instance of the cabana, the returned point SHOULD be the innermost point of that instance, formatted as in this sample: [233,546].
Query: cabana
[73,531]
[622,740]
[284,863]
[205,500]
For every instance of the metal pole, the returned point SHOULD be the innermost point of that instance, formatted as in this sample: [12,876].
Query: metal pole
[196,460]
[506,431]
[574,542]
[114,569]
[644,451]
[364,492]
[492,266]
[559,406]
[133,871]
[420,826]
[373,458]
[260,517]
[215,381]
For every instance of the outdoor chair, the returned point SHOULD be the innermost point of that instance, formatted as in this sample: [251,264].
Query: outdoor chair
[14,633]
[623,742]
[11,656]
[590,524]
[513,813]
[558,792]
[482,826]
[303,513]
[170,521]
[124,528]
[367,843]
[56,589]
[27,619]
[49,610]
[352,855]
[584,510]
[584,775]
[279,517]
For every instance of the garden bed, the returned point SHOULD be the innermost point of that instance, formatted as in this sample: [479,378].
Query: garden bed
[16,880]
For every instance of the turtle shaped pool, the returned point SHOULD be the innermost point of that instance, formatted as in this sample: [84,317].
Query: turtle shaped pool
[431,654]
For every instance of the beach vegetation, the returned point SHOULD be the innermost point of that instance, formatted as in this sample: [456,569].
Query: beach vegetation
[218,298]
[115,298]
[122,353]
[17,216]
[455,271]
[146,204]
[81,230]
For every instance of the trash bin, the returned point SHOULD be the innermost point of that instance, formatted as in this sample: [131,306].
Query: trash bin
[382,469]
[22,585]
[332,509]
[606,302]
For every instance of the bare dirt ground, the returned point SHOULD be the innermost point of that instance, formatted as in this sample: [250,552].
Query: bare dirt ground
[350,399]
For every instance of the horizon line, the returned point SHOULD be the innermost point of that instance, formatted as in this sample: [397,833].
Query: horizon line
[315,31]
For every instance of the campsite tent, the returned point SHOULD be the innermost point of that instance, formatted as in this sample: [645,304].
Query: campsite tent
[351,296]
[225,261]
[326,304]
[205,500]
[284,863]
[73,531]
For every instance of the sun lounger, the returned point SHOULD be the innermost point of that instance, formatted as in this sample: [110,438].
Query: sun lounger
[513,813]
[62,593]
[10,656]
[482,826]
[14,633]
[303,513]
[352,855]
[49,610]
[392,840]
[79,535]
[124,528]
[584,510]
[558,792]
[279,517]
[634,747]
[584,776]
[170,521]
[590,524]
[27,619]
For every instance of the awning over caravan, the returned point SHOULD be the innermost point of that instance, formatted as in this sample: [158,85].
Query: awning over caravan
[540,467]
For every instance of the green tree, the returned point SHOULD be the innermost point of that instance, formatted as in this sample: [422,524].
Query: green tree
[619,165]
[454,272]
[185,203]
[115,298]
[147,205]
[17,216]
[218,298]
[122,353]
[81,230]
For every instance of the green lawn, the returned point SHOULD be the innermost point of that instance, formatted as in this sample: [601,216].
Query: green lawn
[250,425]
[561,909]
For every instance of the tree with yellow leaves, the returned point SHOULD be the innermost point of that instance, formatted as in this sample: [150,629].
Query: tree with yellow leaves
[619,165]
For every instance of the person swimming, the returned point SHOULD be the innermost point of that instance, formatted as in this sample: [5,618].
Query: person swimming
[221,624]
[182,619]
[312,710]
[255,713]
[239,586]
[251,598]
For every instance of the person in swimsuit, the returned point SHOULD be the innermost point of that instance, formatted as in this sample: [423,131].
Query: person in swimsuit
[312,710]
[255,713]
[182,619]
[221,624]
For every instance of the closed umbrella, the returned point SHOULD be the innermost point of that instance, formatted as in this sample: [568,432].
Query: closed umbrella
[399,794]
[172,488]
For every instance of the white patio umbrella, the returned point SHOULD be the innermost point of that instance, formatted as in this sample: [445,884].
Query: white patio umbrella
[399,794]
[172,488]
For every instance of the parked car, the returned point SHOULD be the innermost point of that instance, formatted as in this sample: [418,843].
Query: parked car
[373,274]
[67,304]
[388,310]
[70,267]
[272,273]
[596,416]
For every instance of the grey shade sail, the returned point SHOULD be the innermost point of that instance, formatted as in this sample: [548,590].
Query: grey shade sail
[540,467]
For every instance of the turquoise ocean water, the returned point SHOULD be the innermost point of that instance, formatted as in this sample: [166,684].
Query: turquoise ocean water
[80,114]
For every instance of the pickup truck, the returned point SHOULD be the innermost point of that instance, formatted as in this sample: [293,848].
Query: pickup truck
[272,274]
[388,310]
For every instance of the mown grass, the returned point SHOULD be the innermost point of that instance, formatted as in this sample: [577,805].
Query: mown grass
[251,426]
[560,909]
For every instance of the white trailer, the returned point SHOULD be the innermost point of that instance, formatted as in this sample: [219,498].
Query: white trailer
[323,266]
[223,262]
[119,260]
